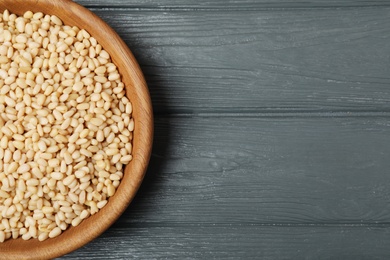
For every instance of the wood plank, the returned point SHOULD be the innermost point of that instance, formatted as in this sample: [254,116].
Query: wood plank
[278,60]
[231,4]
[239,242]
[270,170]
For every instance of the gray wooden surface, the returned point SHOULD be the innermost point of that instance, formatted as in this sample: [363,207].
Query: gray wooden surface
[272,130]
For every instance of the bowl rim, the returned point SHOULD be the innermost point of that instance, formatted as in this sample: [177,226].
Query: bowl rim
[73,238]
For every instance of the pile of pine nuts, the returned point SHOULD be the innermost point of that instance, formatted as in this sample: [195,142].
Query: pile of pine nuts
[66,126]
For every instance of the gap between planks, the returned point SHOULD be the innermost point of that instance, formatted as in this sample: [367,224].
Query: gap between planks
[275,114]
[226,9]
[219,224]
[222,5]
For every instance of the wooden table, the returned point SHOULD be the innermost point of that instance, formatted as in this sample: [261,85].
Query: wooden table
[272,130]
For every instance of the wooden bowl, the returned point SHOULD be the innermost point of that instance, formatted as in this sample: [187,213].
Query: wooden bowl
[136,90]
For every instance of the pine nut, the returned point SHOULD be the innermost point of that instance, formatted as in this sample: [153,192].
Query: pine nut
[66,128]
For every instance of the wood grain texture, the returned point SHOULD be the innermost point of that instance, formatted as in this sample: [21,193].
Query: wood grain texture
[239,242]
[232,4]
[276,60]
[233,171]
